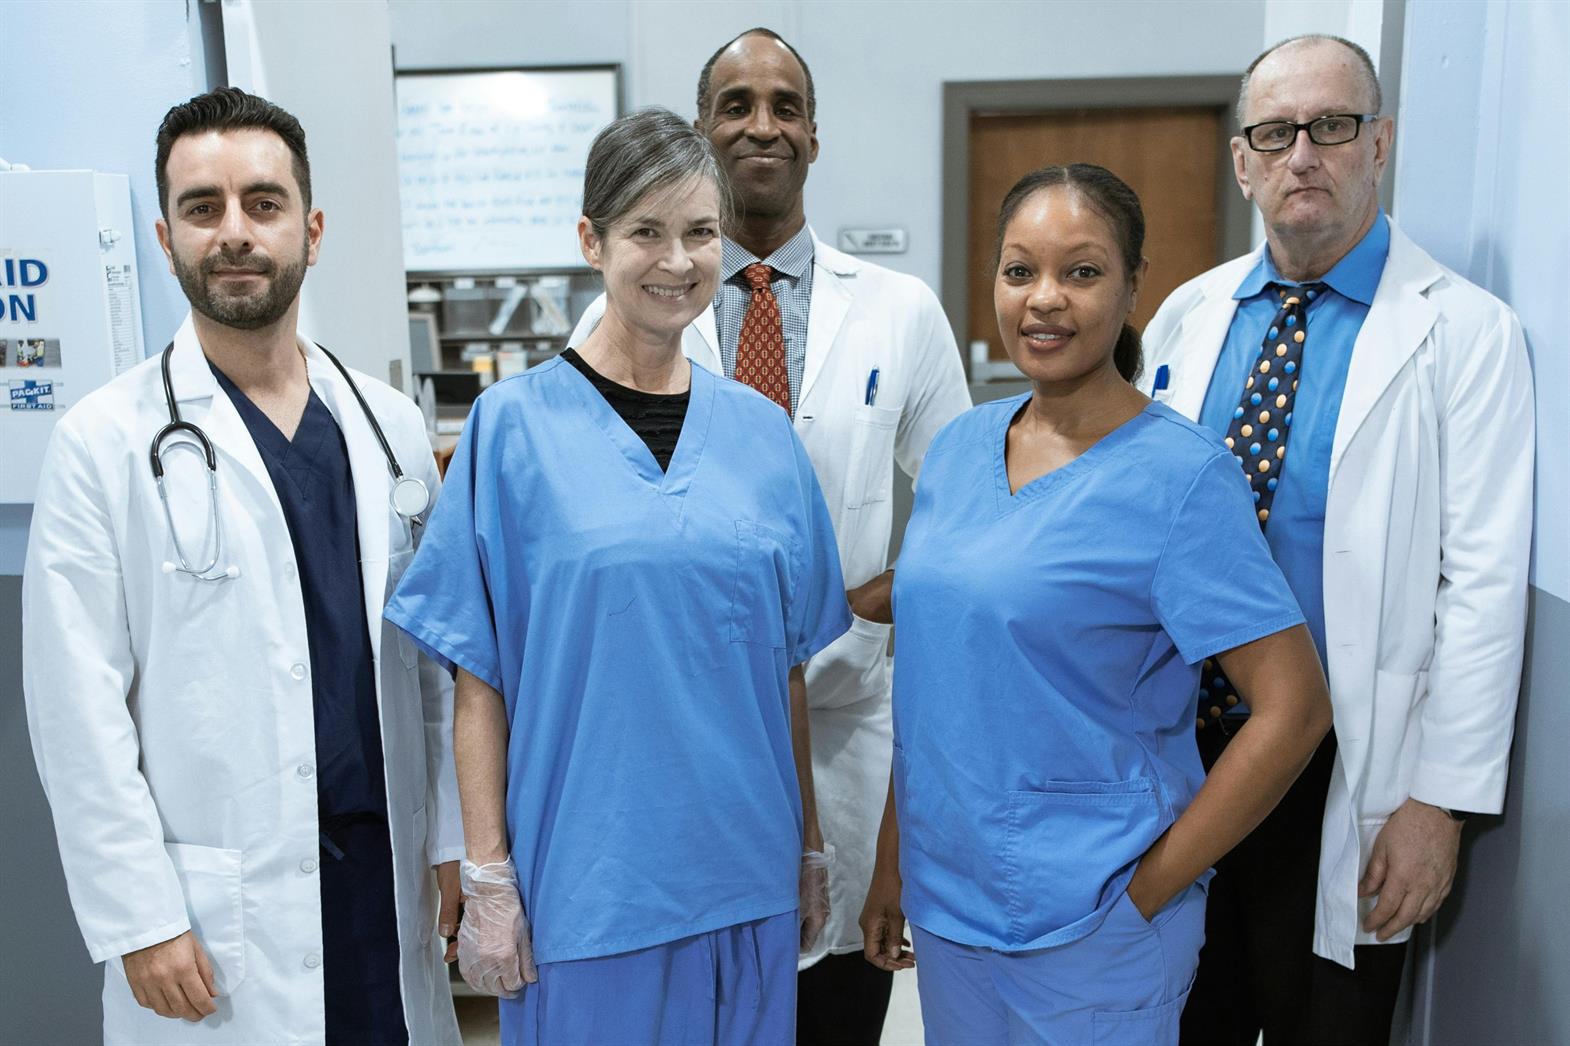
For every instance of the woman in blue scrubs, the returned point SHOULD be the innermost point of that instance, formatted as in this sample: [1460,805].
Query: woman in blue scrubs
[1075,554]
[630,561]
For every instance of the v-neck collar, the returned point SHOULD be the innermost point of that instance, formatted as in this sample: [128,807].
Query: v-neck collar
[675,480]
[293,457]
[262,426]
[1008,501]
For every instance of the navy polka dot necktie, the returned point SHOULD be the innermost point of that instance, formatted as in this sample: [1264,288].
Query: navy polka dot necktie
[1258,434]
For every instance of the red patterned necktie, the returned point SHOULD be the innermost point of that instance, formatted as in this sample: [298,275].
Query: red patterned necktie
[760,350]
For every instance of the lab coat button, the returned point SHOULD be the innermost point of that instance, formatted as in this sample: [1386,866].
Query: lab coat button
[305,770]
[308,865]
[297,670]
[312,961]
[288,570]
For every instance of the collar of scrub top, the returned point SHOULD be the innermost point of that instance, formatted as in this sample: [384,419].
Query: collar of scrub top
[1355,276]
[792,258]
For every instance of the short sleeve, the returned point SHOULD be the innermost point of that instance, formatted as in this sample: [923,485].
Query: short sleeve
[1216,585]
[443,600]
[819,613]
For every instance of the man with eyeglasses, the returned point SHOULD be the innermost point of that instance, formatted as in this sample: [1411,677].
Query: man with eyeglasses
[1381,407]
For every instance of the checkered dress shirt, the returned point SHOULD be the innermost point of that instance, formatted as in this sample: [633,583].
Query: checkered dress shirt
[792,286]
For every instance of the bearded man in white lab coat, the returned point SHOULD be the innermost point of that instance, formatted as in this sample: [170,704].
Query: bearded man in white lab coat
[1382,408]
[864,361]
[250,774]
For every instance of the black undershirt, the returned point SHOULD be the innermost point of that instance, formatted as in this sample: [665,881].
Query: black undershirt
[654,418]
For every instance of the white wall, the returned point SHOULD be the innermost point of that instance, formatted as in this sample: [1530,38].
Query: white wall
[879,68]
[1481,182]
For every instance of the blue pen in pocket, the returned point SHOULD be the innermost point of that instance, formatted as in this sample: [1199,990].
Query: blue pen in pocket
[872,387]
[1158,389]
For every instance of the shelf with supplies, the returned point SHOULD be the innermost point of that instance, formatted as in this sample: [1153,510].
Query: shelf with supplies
[469,331]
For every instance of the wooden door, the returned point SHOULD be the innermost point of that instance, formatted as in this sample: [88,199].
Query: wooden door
[1170,157]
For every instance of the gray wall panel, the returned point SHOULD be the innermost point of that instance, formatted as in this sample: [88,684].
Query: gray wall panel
[1495,967]
[50,988]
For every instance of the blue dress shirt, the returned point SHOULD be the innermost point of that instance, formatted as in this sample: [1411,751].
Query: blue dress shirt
[1296,532]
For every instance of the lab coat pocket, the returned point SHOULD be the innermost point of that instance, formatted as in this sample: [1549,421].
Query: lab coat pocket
[210,878]
[869,463]
[766,565]
[1063,844]
[397,563]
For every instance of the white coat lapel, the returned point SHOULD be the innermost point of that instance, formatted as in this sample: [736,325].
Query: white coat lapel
[372,484]
[1199,341]
[202,401]
[833,279]
[701,343]
[1398,322]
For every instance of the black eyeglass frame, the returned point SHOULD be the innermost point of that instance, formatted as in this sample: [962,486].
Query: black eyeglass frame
[1298,128]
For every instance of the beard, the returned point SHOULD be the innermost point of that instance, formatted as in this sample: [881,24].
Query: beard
[251,311]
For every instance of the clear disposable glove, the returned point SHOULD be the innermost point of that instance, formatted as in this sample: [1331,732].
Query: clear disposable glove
[494,953]
[814,901]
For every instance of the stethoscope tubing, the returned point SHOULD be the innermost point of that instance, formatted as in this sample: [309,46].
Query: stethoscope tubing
[210,458]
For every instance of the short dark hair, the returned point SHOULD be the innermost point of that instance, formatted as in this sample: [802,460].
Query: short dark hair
[229,109]
[644,152]
[704,93]
[1370,76]
[1119,205]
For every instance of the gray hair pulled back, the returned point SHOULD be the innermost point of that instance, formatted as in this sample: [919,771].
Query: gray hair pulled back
[647,151]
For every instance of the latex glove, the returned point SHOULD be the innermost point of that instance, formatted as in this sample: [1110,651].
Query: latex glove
[814,901]
[494,953]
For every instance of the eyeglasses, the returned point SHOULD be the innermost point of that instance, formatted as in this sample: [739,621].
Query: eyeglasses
[1279,135]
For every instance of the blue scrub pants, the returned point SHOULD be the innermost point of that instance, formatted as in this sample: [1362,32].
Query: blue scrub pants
[731,986]
[1122,985]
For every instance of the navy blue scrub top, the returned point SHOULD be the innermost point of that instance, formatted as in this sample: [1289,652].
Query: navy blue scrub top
[314,484]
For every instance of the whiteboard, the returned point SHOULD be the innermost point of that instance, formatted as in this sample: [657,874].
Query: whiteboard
[491,165]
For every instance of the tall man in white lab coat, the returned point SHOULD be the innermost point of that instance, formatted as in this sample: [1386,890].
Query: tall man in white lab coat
[865,362]
[1382,408]
[250,774]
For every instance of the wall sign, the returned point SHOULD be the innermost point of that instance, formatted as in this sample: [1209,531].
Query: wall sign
[872,241]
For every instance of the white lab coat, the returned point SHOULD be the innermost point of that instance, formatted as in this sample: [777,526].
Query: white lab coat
[861,316]
[1427,540]
[172,718]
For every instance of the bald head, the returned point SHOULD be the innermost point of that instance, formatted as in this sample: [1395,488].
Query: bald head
[706,76]
[1321,48]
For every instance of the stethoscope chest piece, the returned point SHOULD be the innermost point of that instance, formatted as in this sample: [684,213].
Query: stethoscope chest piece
[410,497]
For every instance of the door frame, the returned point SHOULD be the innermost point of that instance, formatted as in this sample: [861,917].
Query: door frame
[963,99]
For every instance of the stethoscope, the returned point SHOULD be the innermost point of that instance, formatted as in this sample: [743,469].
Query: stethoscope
[409,497]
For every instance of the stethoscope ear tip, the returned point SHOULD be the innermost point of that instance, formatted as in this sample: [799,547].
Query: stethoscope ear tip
[232,572]
[168,567]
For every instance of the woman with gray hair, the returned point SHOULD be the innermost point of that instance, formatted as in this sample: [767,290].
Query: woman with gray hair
[630,562]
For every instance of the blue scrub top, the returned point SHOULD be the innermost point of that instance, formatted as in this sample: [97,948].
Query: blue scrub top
[640,625]
[315,488]
[1047,666]
[1296,534]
